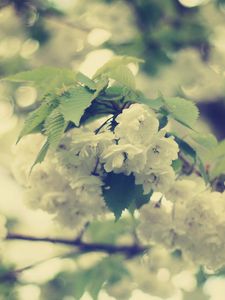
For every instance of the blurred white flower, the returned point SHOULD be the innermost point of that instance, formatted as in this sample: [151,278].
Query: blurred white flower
[194,224]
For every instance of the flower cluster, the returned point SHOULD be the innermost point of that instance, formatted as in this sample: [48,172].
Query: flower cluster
[142,149]
[69,182]
[191,219]
[68,192]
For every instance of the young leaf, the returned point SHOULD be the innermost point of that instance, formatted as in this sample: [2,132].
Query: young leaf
[123,75]
[86,81]
[54,127]
[155,104]
[45,79]
[204,144]
[35,118]
[118,192]
[206,141]
[182,110]
[101,85]
[74,102]
[41,155]
[115,62]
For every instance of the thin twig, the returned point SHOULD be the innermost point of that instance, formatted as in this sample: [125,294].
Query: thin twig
[103,124]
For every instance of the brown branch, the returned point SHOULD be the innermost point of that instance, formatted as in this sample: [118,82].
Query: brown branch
[84,247]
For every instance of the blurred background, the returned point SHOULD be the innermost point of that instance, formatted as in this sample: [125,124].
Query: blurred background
[183,45]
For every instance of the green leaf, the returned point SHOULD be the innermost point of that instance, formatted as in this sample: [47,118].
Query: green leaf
[177,165]
[185,147]
[114,91]
[163,121]
[139,199]
[35,118]
[101,85]
[74,102]
[83,79]
[204,144]
[123,75]
[54,128]
[118,192]
[115,62]
[208,141]
[41,155]
[155,104]
[193,153]
[45,79]
[202,170]
[182,110]
[217,166]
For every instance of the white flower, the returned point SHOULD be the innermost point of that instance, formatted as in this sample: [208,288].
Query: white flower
[88,143]
[203,219]
[136,125]
[72,201]
[123,158]
[162,151]
[156,223]
[185,189]
[159,180]
[194,223]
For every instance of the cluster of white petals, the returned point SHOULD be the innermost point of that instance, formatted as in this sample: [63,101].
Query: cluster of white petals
[62,185]
[68,184]
[142,149]
[191,219]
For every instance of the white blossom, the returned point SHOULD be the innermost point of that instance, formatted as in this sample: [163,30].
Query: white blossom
[63,185]
[159,180]
[161,151]
[156,223]
[136,125]
[195,222]
[124,158]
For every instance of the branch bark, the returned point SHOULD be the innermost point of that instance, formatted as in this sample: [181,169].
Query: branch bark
[84,247]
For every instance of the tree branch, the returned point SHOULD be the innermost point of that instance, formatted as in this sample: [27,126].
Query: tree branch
[84,247]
